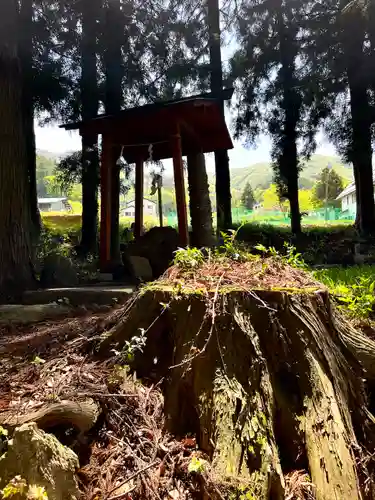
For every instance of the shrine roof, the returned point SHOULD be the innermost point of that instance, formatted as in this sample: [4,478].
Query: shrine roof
[198,119]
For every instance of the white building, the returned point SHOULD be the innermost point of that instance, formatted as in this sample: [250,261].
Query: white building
[149,208]
[349,200]
[53,204]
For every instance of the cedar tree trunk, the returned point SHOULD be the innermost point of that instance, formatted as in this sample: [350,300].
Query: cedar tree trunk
[16,271]
[200,202]
[26,55]
[223,194]
[113,101]
[90,102]
[353,41]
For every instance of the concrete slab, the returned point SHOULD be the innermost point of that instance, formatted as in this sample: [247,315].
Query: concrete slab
[22,314]
[98,294]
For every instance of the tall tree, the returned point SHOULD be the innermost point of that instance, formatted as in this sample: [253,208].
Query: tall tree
[353,40]
[327,188]
[223,193]
[89,103]
[342,70]
[286,134]
[271,86]
[199,202]
[15,219]
[248,198]
[113,69]
[26,60]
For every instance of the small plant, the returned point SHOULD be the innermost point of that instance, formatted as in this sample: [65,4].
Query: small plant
[270,251]
[37,493]
[3,440]
[134,345]
[294,258]
[290,257]
[18,487]
[3,432]
[359,299]
[188,259]
[242,493]
[118,375]
[197,466]
[37,361]
[229,246]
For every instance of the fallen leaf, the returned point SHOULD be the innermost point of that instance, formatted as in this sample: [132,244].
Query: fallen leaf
[174,494]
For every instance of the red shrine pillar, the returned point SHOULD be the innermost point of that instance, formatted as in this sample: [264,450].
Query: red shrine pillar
[179,182]
[105,208]
[139,181]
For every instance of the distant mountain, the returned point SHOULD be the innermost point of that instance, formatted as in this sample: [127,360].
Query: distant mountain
[260,175]
[49,155]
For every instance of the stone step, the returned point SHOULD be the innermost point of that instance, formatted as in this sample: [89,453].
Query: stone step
[80,296]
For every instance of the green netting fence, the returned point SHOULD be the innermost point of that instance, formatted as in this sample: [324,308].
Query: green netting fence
[278,217]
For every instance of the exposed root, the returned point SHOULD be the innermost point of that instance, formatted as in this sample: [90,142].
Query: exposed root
[80,415]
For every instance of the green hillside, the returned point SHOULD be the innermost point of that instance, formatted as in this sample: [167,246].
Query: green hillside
[260,174]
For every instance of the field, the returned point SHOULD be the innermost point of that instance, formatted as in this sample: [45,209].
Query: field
[63,223]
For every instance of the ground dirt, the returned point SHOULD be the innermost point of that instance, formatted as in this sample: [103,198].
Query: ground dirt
[127,454]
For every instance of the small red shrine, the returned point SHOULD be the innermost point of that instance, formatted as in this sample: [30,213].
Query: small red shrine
[162,130]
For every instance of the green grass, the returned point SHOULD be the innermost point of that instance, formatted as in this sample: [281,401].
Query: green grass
[59,223]
[353,288]
[280,220]
[345,276]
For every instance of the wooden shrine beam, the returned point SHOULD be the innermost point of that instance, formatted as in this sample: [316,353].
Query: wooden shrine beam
[139,186]
[105,210]
[178,169]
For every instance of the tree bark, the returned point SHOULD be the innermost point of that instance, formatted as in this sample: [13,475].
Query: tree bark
[200,202]
[262,379]
[357,222]
[291,103]
[371,32]
[90,184]
[353,42]
[90,103]
[26,60]
[292,183]
[15,219]
[223,193]
[113,102]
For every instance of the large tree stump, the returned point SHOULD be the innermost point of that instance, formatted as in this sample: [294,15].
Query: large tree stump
[266,381]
